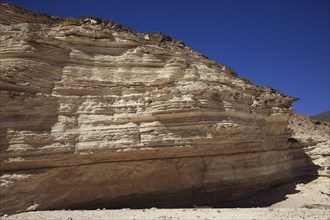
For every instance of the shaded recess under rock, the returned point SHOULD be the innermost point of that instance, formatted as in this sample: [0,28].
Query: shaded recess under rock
[94,114]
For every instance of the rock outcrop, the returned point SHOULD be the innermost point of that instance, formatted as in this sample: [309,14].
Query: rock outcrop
[315,137]
[94,114]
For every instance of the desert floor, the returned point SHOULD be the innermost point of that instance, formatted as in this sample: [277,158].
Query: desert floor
[302,199]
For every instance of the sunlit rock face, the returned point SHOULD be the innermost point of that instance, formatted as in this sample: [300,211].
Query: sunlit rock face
[94,114]
[315,137]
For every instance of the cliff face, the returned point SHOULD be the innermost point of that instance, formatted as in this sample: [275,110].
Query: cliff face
[315,138]
[94,114]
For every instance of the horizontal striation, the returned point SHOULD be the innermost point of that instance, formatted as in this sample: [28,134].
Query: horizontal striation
[214,178]
[23,75]
[93,113]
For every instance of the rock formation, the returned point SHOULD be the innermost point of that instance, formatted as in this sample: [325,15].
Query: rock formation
[315,138]
[94,114]
[324,116]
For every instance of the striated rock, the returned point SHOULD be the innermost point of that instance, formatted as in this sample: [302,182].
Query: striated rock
[94,114]
[315,137]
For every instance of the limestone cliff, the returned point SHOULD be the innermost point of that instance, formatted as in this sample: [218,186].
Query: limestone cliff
[315,137]
[94,114]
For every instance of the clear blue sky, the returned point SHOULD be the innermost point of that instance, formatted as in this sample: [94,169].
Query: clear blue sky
[283,43]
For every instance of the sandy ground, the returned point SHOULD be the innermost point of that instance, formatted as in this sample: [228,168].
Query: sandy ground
[189,214]
[302,193]
[314,194]
[302,199]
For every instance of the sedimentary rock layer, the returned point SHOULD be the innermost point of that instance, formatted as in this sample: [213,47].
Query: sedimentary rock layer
[315,137]
[94,114]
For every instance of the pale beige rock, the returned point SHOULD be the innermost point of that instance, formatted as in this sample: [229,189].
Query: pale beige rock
[183,214]
[94,114]
[315,136]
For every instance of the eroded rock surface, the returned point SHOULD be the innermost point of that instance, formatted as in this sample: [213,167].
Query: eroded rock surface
[315,136]
[94,114]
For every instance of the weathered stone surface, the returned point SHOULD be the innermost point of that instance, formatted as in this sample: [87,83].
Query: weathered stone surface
[315,137]
[94,114]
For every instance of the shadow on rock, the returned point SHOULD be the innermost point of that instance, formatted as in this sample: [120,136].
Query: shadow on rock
[267,197]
